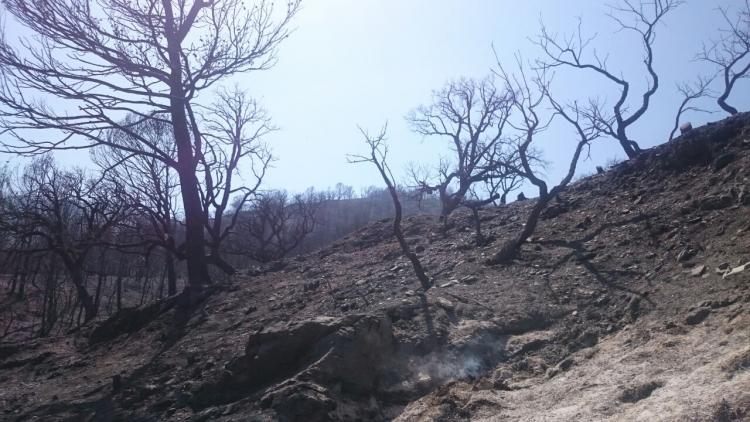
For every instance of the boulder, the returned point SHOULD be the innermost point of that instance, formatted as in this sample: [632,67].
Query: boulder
[296,401]
[697,316]
[347,350]
[300,357]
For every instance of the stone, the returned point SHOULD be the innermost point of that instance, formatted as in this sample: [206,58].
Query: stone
[639,392]
[737,270]
[723,160]
[350,351]
[716,202]
[698,271]
[445,304]
[311,285]
[563,366]
[300,400]
[697,316]
[686,254]
[469,279]
[723,268]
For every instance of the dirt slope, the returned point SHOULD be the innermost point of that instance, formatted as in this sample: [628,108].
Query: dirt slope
[631,303]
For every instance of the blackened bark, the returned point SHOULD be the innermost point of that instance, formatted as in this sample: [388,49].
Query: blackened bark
[171,274]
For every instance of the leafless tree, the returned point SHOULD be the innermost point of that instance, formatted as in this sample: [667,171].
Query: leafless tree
[235,126]
[471,115]
[274,224]
[508,181]
[150,185]
[730,53]
[529,96]
[66,214]
[690,93]
[642,18]
[377,157]
[151,58]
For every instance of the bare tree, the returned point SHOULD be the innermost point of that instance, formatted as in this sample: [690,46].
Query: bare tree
[151,58]
[730,53]
[506,182]
[235,126]
[640,17]
[528,96]
[471,115]
[66,214]
[151,186]
[377,157]
[690,93]
[274,224]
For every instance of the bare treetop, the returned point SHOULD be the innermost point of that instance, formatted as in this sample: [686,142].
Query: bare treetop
[471,115]
[112,57]
[641,18]
[730,53]
[148,58]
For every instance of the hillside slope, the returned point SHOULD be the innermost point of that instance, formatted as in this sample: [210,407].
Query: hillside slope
[631,302]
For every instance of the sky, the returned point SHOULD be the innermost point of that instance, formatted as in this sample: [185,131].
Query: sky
[367,62]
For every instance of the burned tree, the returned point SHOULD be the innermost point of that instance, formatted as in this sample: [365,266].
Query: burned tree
[273,224]
[730,53]
[65,214]
[641,18]
[150,185]
[506,180]
[471,115]
[529,96]
[234,130]
[377,157]
[690,93]
[150,58]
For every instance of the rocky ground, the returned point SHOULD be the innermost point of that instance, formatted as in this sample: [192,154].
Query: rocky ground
[632,302]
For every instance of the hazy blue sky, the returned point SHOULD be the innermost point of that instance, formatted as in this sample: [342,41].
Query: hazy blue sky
[365,62]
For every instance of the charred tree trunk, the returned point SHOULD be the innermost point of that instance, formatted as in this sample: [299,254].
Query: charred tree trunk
[377,157]
[511,248]
[631,148]
[197,265]
[171,274]
[416,264]
[87,302]
[118,291]
[722,102]
[477,226]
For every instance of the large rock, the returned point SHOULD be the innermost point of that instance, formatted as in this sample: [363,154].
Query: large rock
[347,350]
[304,367]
